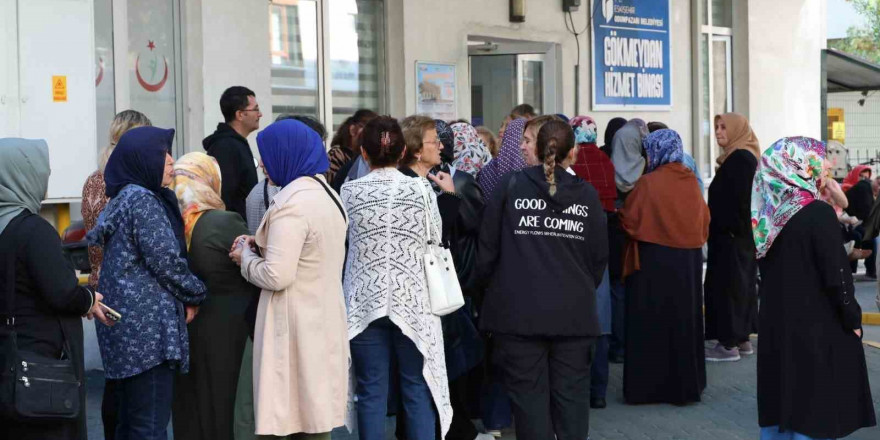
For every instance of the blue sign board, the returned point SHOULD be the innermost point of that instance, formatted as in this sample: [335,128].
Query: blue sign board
[632,65]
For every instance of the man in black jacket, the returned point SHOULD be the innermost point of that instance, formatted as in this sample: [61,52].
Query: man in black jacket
[230,147]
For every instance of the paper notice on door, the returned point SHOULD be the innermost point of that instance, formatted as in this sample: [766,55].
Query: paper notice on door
[59,88]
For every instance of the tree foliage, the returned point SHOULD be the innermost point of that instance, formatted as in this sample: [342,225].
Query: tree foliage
[863,41]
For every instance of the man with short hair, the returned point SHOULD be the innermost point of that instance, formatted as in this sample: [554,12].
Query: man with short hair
[230,147]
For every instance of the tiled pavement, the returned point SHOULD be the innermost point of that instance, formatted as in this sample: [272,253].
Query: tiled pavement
[728,410]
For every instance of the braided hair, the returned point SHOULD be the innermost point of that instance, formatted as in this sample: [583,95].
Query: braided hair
[555,141]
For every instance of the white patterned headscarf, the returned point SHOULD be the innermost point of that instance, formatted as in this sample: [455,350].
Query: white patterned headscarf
[471,154]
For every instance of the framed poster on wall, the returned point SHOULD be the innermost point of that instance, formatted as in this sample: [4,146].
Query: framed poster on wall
[632,63]
[435,90]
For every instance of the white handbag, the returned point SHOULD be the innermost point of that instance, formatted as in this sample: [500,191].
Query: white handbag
[443,287]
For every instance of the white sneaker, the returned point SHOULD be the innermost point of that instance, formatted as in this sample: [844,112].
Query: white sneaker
[487,436]
[495,433]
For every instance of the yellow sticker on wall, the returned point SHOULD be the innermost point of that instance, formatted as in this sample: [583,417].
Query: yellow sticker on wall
[59,88]
[838,131]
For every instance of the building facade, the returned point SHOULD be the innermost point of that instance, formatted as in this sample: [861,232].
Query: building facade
[171,59]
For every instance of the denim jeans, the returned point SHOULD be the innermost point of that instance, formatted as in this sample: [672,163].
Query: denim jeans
[372,352]
[144,403]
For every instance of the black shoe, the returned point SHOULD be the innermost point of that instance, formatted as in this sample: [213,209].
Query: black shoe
[597,403]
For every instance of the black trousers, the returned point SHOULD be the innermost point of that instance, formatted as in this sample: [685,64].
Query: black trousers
[548,381]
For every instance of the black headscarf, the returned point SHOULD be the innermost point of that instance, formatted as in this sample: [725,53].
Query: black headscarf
[447,138]
[610,130]
[139,159]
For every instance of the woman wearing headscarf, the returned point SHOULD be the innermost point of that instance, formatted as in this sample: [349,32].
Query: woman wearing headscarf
[300,346]
[204,399]
[860,196]
[495,403]
[94,199]
[731,287]
[629,163]
[596,168]
[45,300]
[667,223]
[471,154]
[611,129]
[146,278]
[509,158]
[812,376]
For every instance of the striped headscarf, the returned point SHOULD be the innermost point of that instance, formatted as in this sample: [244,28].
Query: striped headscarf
[197,186]
[785,182]
[471,154]
[509,157]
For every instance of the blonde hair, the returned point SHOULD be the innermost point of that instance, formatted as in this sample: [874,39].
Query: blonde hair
[492,143]
[122,122]
[414,129]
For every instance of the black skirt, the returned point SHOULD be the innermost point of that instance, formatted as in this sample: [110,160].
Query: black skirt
[665,360]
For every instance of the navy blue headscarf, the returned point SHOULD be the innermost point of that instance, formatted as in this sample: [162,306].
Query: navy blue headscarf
[139,159]
[290,150]
[447,138]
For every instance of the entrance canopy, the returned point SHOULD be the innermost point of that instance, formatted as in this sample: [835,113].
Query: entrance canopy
[846,73]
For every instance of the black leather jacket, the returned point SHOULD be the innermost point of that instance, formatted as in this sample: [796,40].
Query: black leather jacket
[464,237]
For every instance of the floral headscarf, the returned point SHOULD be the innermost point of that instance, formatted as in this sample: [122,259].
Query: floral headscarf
[785,182]
[663,147]
[584,129]
[509,157]
[471,153]
[197,186]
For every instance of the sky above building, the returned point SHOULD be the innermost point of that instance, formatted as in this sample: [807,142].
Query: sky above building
[842,15]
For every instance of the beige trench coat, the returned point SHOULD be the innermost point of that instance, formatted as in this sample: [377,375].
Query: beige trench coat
[301,354]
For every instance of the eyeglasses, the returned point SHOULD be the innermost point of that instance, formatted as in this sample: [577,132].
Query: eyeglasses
[255,109]
[435,142]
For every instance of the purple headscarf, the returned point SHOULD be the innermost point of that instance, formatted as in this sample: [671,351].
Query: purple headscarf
[509,158]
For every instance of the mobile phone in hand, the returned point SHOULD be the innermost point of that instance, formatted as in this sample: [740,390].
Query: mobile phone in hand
[111,314]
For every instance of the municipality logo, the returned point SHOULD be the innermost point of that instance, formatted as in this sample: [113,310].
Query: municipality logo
[608,10]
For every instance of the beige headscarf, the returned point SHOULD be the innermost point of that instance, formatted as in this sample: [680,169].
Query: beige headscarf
[739,136]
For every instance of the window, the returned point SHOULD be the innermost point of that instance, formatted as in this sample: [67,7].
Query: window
[716,76]
[293,40]
[150,80]
[347,33]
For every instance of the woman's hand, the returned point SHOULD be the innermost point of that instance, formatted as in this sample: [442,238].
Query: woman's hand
[238,247]
[443,180]
[191,312]
[858,332]
[96,312]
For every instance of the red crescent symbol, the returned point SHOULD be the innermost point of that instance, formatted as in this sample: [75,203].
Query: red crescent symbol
[147,86]
[100,71]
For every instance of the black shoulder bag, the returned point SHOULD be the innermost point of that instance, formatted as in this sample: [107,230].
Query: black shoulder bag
[332,196]
[33,387]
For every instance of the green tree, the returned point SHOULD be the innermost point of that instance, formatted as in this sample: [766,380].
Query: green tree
[863,41]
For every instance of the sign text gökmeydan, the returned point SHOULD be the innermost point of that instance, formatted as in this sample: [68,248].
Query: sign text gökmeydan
[632,68]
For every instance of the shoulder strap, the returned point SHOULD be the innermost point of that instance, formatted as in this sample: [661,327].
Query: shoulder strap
[266,193]
[11,252]
[330,193]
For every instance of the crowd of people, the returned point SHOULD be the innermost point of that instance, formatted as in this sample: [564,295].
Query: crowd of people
[284,308]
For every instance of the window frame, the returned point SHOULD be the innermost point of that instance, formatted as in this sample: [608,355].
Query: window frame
[325,75]
[710,32]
